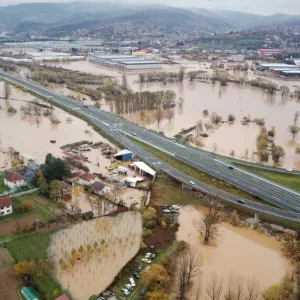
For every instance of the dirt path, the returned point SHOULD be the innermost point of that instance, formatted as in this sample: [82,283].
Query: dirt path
[9,226]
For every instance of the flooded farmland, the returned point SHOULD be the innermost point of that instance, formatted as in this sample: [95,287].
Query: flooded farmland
[241,252]
[240,100]
[87,256]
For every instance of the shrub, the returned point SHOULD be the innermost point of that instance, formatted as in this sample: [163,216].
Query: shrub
[146,233]
[12,110]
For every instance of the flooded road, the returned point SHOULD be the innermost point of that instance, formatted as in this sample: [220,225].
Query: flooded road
[240,100]
[87,256]
[241,252]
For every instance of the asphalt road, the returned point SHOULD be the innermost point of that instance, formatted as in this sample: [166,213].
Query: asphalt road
[119,129]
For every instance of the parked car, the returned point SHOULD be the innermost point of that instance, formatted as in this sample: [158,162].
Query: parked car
[148,255]
[85,105]
[241,201]
[125,291]
[129,287]
[147,261]
[140,268]
[153,255]
[166,211]
[136,275]
[151,247]
[143,290]
[131,280]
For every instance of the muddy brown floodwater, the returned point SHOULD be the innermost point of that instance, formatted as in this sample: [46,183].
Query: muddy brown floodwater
[240,100]
[101,248]
[242,252]
[31,135]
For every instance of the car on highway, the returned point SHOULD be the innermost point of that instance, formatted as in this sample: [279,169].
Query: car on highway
[230,167]
[147,261]
[289,170]
[85,105]
[191,182]
[125,291]
[240,201]
[133,133]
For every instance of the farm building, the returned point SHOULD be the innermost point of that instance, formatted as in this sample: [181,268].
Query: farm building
[271,67]
[124,155]
[28,294]
[144,169]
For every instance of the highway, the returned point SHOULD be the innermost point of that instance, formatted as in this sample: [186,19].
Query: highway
[119,129]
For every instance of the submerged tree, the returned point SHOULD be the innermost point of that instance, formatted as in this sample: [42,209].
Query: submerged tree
[6,91]
[293,129]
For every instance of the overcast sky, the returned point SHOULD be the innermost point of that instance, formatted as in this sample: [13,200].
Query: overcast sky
[265,7]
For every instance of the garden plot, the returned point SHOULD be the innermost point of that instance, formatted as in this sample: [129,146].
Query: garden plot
[87,256]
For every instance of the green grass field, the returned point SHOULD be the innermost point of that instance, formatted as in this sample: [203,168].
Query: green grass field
[3,188]
[197,174]
[35,247]
[289,180]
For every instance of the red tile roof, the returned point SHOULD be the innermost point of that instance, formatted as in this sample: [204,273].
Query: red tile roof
[5,202]
[13,177]
[63,297]
[88,177]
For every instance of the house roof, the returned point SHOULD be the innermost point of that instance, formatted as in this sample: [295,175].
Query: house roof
[98,186]
[13,177]
[123,152]
[5,201]
[133,179]
[142,166]
[63,297]
[88,177]
[64,185]
[72,212]
[88,215]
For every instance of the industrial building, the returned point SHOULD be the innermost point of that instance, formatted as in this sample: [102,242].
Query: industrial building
[123,155]
[125,62]
[293,73]
[278,67]
[49,55]
[270,51]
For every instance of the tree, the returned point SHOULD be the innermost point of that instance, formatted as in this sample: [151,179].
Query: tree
[212,217]
[142,78]
[297,149]
[149,217]
[193,75]
[158,115]
[293,129]
[55,189]
[186,270]
[272,132]
[156,277]
[11,110]
[55,168]
[284,90]
[180,102]
[56,293]
[40,178]
[199,128]
[277,152]
[157,295]
[24,267]
[181,74]
[168,99]
[44,187]
[215,118]
[170,114]
[6,90]
[214,289]
[124,82]
[231,118]
[296,116]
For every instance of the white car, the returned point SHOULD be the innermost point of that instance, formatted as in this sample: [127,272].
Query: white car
[191,182]
[129,287]
[148,255]
[125,291]
[147,261]
[176,206]
[289,170]
[132,282]
[166,211]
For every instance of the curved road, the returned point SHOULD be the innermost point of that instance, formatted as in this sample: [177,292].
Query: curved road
[118,128]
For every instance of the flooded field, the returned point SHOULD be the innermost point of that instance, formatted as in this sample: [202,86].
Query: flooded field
[87,256]
[240,100]
[31,135]
[241,252]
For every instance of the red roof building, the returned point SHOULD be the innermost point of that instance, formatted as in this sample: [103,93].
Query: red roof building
[63,297]
[87,178]
[5,202]
[13,177]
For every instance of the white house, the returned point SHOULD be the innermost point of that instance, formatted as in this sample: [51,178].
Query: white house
[14,180]
[5,206]
[100,188]
[87,179]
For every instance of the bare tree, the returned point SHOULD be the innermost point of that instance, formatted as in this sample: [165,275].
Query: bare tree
[170,114]
[214,288]
[252,289]
[296,116]
[158,115]
[180,102]
[208,225]
[6,91]
[187,269]
[284,90]
[199,128]
[293,129]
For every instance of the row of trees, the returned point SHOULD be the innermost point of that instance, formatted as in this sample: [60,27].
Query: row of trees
[162,76]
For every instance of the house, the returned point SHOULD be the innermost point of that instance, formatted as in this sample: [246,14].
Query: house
[100,188]
[14,180]
[87,179]
[66,188]
[122,170]
[5,206]
[132,181]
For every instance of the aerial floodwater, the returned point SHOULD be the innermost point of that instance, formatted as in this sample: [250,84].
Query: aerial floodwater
[240,100]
